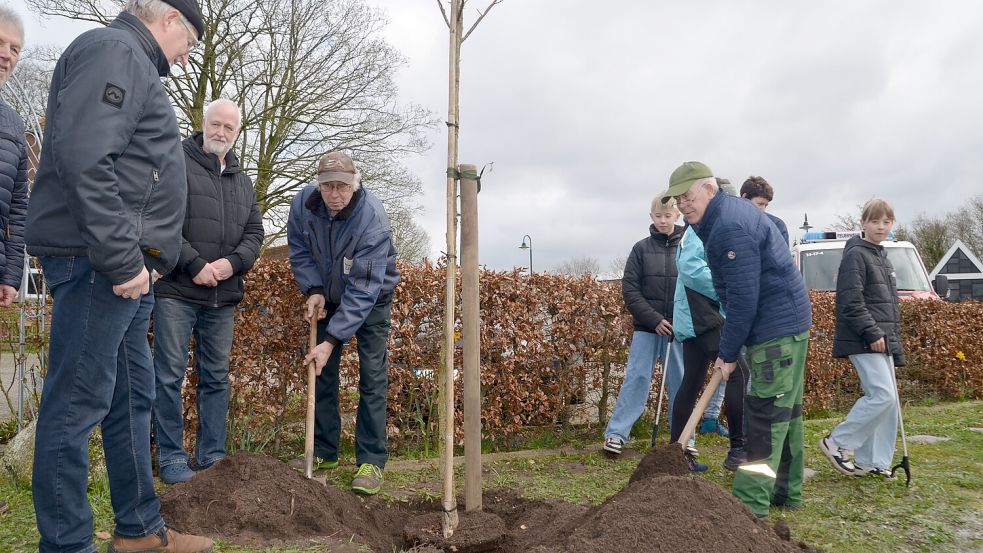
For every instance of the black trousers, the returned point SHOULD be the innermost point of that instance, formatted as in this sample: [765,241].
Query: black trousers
[698,355]
[373,389]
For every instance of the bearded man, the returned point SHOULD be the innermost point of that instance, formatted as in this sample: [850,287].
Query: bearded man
[221,239]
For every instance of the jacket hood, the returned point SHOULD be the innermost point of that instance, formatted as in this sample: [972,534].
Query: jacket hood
[671,239]
[133,24]
[193,149]
[858,242]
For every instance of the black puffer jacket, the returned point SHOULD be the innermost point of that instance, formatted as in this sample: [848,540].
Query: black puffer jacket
[13,195]
[222,220]
[649,280]
[866,302]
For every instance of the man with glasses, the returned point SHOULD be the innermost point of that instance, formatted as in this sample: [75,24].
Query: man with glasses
[105,219]
[343,259]
[768,310]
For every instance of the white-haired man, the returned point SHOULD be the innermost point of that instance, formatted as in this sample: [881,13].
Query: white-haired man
[343,258]
[13,165]
[104,216]
[222,236]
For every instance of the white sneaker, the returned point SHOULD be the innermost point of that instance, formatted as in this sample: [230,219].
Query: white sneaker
[838,456]
[873,471]
[613,445]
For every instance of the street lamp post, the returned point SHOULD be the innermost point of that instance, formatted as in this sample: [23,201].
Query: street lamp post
[528,246]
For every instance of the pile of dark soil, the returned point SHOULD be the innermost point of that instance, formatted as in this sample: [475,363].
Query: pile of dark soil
[662,460]
[255,499]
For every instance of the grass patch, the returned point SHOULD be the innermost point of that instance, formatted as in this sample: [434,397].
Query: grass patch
[938,513]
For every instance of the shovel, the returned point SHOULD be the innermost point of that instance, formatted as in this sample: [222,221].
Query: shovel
[904,464]
[701,406]
[662,389]
[309,422]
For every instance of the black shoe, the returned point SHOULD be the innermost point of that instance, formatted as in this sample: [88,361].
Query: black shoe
[734,458]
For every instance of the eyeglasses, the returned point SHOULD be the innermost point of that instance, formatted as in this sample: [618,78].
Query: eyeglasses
[192,41]
[338,187]
[688,197]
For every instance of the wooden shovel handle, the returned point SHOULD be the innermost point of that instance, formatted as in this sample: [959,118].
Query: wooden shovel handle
[309,422]
[701,406]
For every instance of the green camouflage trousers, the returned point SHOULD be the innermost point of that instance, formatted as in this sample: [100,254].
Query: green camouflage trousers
[773,413]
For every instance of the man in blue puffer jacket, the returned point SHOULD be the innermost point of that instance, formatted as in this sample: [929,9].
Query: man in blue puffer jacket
[768,310]
[343,258]
[13,166]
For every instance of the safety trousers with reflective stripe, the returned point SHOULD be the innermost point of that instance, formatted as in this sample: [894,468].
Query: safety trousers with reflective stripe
[773,414]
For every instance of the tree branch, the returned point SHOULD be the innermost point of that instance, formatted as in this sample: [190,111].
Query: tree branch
[482,16]
[443,12]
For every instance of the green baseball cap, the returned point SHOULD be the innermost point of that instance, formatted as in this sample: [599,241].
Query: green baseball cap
[684,176]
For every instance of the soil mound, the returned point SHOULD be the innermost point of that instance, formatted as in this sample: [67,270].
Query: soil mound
[662,460]
[254,498]
[669,514]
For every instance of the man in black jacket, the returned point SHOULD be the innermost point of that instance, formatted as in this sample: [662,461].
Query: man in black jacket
[222,236]
[106,213]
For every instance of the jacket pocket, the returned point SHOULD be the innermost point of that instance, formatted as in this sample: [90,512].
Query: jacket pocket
[57,270]
[770,368]
[361,273]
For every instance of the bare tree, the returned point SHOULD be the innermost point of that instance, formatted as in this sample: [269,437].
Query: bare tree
[616,268]
[310,76]
[579,266]
[930,235]
[27,93]
[848,221]
[411,241]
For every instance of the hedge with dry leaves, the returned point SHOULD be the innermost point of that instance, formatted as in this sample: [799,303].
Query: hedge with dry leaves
[548,342]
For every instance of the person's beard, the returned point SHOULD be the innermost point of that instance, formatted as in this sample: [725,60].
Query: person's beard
[216,147]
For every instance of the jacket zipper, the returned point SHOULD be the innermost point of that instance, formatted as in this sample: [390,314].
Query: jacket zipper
[155,178]
[222,223]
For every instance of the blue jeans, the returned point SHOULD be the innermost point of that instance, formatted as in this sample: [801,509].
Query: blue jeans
[99,373]
[646,349]
[372,339]
[871,427]
[174,322]
[713,408]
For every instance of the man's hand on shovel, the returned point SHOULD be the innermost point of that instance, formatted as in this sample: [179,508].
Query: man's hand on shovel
[319,356]
[724,367]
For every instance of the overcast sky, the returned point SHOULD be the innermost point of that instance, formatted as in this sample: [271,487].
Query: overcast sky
[586,107]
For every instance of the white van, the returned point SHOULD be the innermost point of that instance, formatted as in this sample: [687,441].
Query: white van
[818,257]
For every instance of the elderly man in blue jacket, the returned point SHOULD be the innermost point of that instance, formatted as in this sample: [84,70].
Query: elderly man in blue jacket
[343,258]
[768,310]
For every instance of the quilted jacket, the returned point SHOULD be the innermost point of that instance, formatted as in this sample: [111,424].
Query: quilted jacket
[650,278]
[759,287]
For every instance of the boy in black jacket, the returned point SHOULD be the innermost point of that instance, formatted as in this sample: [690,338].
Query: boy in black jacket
[868,323]
[648,285]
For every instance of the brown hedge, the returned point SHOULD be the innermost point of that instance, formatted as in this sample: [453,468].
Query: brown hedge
[548,344]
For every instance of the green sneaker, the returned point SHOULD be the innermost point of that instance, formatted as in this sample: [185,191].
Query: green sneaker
[368,479]
[319,464]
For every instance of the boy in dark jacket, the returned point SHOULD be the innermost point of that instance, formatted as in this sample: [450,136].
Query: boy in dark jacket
[868,322]
[648,284]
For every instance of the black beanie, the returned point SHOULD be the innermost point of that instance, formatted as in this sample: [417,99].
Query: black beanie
[190,10]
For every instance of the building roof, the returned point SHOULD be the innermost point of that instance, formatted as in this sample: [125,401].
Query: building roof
[959,263]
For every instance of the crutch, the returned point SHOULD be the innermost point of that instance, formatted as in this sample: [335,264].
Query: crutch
[662,389]
[904,464]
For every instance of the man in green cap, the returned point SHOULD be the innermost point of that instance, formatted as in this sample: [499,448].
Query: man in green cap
[768,310]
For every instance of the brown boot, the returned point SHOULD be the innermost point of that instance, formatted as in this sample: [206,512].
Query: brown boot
[165,540]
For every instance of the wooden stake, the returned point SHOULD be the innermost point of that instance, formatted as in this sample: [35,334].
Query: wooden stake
[701,406]
[470,310]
